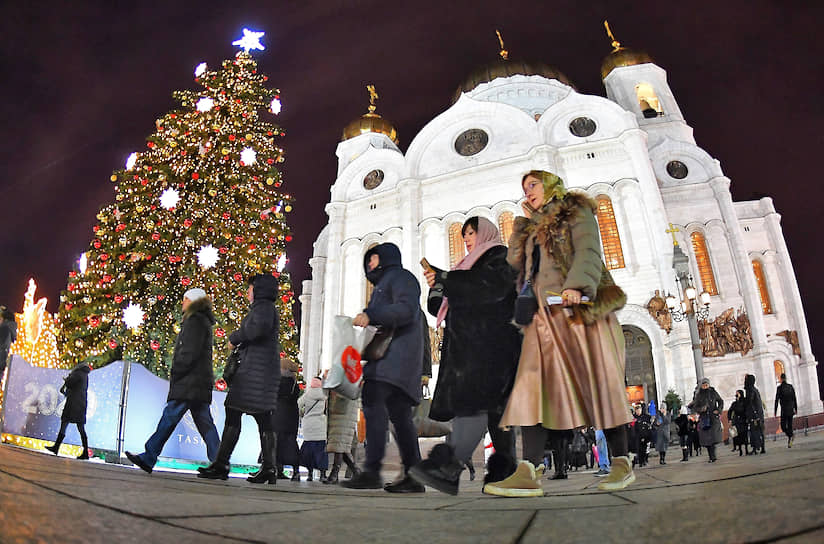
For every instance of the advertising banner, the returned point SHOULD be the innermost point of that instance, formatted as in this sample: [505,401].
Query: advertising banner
[33,403]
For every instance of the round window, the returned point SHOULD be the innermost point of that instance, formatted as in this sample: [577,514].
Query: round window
[677,169]
[373,179]
[582,127]
[471,142]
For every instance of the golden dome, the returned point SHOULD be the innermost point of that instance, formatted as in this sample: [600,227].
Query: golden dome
[506,68]
[621,56]
[370,122]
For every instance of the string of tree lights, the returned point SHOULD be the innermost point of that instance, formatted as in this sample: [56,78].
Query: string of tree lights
[201,206]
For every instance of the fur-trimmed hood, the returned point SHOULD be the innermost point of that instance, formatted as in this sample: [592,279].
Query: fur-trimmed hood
[201,305]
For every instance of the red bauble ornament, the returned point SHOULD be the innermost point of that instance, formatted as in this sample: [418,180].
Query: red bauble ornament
[252,246]
[121,226]
[94,228]
[159,274]
[264,216]
[155,236]
[107,278]
[225,310]
[69,305]
[112,343]
[237,277]
[282,354]
[195,175]
[154,344]
[182,152]
[269,133]
[96,244]
[187,223]
[222,250]
[270,161]
[70,287]
[276,274]
[220,384]
[104,256]
[220,333]
[226,215]
[118,298]
[121,257]
[72,274]
[288,238]
[239,239]
[285,298]
[185,281]
[161,297]
[231,137]
[150,144]
[144,182]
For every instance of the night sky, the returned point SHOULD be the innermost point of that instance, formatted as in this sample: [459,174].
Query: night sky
[82,85]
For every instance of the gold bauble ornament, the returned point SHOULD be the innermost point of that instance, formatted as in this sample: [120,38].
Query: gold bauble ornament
[225,151]
[172,144]
[270,181]
[248,136]
[138,209]
[288,208]
[212,192]
[113,178]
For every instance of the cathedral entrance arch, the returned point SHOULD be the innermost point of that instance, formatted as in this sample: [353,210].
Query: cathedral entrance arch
[640,370]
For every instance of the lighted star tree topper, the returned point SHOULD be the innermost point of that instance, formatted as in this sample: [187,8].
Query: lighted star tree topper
[200,207]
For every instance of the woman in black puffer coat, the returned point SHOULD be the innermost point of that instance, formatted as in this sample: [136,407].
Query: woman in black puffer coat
[254,387]
[75,387]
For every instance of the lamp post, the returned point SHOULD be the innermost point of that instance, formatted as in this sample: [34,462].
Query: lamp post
[689,304]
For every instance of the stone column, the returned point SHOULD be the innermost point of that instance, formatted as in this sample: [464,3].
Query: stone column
[332,282]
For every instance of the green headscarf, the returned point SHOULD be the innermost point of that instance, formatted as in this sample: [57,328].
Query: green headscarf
[553,185]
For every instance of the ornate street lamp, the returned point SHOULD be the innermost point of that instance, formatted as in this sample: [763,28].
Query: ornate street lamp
[691,305]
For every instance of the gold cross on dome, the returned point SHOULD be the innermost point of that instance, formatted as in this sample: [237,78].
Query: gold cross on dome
[672,230]
[503,52]
[373,96]
[616,45]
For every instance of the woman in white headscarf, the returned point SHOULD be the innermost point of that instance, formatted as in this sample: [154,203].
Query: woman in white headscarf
[479,354]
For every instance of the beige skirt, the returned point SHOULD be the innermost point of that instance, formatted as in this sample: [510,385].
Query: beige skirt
[570,375]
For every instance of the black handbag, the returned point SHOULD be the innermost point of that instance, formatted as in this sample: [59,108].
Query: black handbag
[379,345]
[231,366]
[526,304]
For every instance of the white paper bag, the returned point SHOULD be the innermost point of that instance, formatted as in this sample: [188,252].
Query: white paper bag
[345,368]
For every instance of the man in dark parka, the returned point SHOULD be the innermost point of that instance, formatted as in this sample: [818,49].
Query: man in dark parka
[191,381]
[392,384]
[785,396]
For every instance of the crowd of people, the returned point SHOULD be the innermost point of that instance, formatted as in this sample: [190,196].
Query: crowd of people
[531,344]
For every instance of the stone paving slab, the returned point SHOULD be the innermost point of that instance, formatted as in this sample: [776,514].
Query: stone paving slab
[763,498]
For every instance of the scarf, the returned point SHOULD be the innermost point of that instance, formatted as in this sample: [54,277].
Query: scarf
[486,238]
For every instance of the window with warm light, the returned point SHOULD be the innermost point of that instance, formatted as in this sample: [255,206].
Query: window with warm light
[761,281]
[702,259]
[610,239]
[779,369]
[648,100]
[456,245]
[505,222]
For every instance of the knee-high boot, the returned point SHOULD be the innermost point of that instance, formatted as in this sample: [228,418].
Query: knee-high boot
[684,453]
[267,472]
[54,448]
[84,439]
[219,470]
[661,456]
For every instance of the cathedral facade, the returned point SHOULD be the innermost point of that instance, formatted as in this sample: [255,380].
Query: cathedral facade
[634,153]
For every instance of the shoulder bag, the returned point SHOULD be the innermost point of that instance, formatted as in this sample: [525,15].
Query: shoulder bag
[377,348]
[232,364]
[526,305]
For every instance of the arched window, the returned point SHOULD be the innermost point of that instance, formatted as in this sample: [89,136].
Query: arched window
[369,286]
[456,245]
[761,281]
[505,221]
[779,369]
[648,101]
[702,259]
[610,240]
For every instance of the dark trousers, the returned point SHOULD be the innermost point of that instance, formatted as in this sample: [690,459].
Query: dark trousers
[173,412]
[787,423]
[382,403]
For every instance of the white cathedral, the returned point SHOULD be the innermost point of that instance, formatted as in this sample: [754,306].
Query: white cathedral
[635,154]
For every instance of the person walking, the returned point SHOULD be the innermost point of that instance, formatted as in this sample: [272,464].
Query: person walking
[643,433]
[8,336]
[342,423]
[571,369]
[709,405]
[603,453]
[392,383]
[662,432]
[75,387]
[682,422]
[737,416]
[312,409]
[479,355]
[287,420]
[190,381]
[755,414]
[785,397]
[254,388]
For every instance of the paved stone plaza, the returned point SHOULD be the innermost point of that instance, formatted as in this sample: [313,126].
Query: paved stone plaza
[775,497]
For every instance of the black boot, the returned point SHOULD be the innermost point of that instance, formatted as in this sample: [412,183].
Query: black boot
[296,473]
[85,441]
[219,470]
[441,470]
[311,475]
[266,474]
[281,475]
[711,453]
[684,453]
[54,448]
[471,468]
[560,458]
[662,456]
[333,474]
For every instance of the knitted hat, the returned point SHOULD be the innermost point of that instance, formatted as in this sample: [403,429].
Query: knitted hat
[194,294]
[705,381]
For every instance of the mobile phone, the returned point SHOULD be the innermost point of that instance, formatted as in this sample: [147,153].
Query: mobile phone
[426,266]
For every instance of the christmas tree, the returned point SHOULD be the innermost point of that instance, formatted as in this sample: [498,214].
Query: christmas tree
[200,207]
